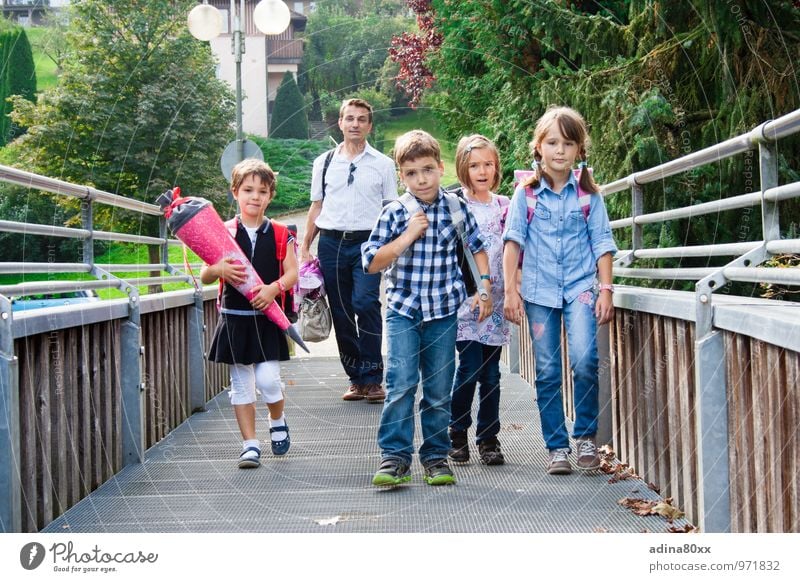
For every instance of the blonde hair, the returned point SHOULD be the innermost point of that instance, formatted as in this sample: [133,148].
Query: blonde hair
[416,144]
[573,127]
[355,103]
[464,149]
[253,167]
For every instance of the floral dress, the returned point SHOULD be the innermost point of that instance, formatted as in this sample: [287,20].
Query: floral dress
[494,330]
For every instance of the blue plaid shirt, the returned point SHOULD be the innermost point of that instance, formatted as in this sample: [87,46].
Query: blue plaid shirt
[426,276]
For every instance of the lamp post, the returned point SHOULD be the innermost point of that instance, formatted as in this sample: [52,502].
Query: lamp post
[205,23]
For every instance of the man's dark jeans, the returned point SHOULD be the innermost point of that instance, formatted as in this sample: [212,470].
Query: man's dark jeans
[354,297]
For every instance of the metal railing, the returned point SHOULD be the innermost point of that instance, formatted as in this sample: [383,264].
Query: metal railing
[716,322]
[120,324]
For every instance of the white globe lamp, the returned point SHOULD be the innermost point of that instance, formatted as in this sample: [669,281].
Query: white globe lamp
[271,16]
[205,22]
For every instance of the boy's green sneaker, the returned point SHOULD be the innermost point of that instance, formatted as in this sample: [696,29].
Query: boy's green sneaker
[438,472]
[391,472]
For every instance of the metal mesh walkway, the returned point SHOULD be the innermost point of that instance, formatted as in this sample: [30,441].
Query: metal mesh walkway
[190,481]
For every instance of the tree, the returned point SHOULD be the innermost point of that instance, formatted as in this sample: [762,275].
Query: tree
[344,54]
[289,119]
[138,108]
[17,76]
[655,80]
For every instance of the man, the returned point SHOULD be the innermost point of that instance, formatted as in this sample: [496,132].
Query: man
[348,187]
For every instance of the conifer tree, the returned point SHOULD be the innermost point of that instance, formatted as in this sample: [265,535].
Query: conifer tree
[289,118]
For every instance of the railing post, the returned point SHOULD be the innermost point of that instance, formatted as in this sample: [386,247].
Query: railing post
[712,434]
[768,169]
[197,370]
[87,222]
[637,209]
[10,484]
[513,349]
[133,433]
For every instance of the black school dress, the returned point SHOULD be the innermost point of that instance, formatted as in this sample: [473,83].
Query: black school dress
[253,338]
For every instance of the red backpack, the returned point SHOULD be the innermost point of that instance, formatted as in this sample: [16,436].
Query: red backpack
[281,233]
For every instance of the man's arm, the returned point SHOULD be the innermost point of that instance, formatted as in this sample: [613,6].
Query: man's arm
[311,231]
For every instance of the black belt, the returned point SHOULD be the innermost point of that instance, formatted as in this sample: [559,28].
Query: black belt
[352,235]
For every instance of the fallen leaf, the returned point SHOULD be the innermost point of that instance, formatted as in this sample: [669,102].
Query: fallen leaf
[600,530]
[654,487]
[290,382]
[688,528]
[513,426]
[668,511]
[331,521]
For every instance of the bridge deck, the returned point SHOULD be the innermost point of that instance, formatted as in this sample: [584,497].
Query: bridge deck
[190,483]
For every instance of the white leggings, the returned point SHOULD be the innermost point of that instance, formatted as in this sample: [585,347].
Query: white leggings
[264,378]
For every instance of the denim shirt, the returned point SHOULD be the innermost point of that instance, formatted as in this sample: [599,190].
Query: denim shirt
[561,247]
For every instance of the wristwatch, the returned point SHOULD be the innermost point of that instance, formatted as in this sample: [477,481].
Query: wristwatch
[484,294]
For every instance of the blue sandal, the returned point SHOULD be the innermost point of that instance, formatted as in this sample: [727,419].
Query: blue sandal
[247,460]
[280,447]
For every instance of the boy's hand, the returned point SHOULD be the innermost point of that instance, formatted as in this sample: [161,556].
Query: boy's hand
[231,270]
[265,294]
[604,307]
[417,226]
[512,308]
[305,256]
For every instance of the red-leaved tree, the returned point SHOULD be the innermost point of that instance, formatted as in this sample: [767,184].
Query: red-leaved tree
[410,51]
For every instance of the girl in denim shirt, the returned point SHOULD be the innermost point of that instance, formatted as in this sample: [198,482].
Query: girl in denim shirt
[479,342]
[565,252]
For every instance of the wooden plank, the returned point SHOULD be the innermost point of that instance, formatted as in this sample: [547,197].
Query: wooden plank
[648,436]
[684,351]
[792,421]
[673,485]
[115,400]
[43,423]
[110,357]
[71,389]
[749,484]
[760,422]
[614,348]
[84,414]
[735,420]
[29,451]
[96,338]
[58,417]
[774,438]
[664,353]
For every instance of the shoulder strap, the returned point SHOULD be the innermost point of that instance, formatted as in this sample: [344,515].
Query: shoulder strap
[584,197]
[530,200]
[456,212]
[410,203]
[328,159]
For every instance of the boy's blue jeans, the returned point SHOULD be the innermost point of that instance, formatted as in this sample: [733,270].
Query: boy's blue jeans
[545,329]
[477,362]
[416,346]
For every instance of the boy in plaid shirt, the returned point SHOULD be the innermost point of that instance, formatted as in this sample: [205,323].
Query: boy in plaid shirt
[415,240]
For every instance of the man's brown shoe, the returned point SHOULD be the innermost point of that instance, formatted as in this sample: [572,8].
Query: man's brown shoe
[375,393]
[355,392]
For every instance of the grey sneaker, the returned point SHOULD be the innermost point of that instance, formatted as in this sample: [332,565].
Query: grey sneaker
[586,449]
[391,472]
[438,472]
[558,463]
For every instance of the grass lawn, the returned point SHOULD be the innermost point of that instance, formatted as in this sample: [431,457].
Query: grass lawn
[425,119]
[46,77]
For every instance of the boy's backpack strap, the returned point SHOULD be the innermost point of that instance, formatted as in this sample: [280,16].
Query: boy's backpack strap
[456,212]
[410,203]
[325,167]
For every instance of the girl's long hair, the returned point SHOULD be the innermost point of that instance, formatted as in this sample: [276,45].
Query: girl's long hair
[573,127]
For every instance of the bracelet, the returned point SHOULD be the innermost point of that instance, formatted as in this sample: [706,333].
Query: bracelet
[281,286]
[485,277]
[606,287]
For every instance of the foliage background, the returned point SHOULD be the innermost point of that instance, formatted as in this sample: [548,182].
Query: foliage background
[654,79]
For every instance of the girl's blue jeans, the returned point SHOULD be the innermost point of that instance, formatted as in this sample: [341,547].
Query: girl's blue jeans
[545,330]
[477,363]
[415,347]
